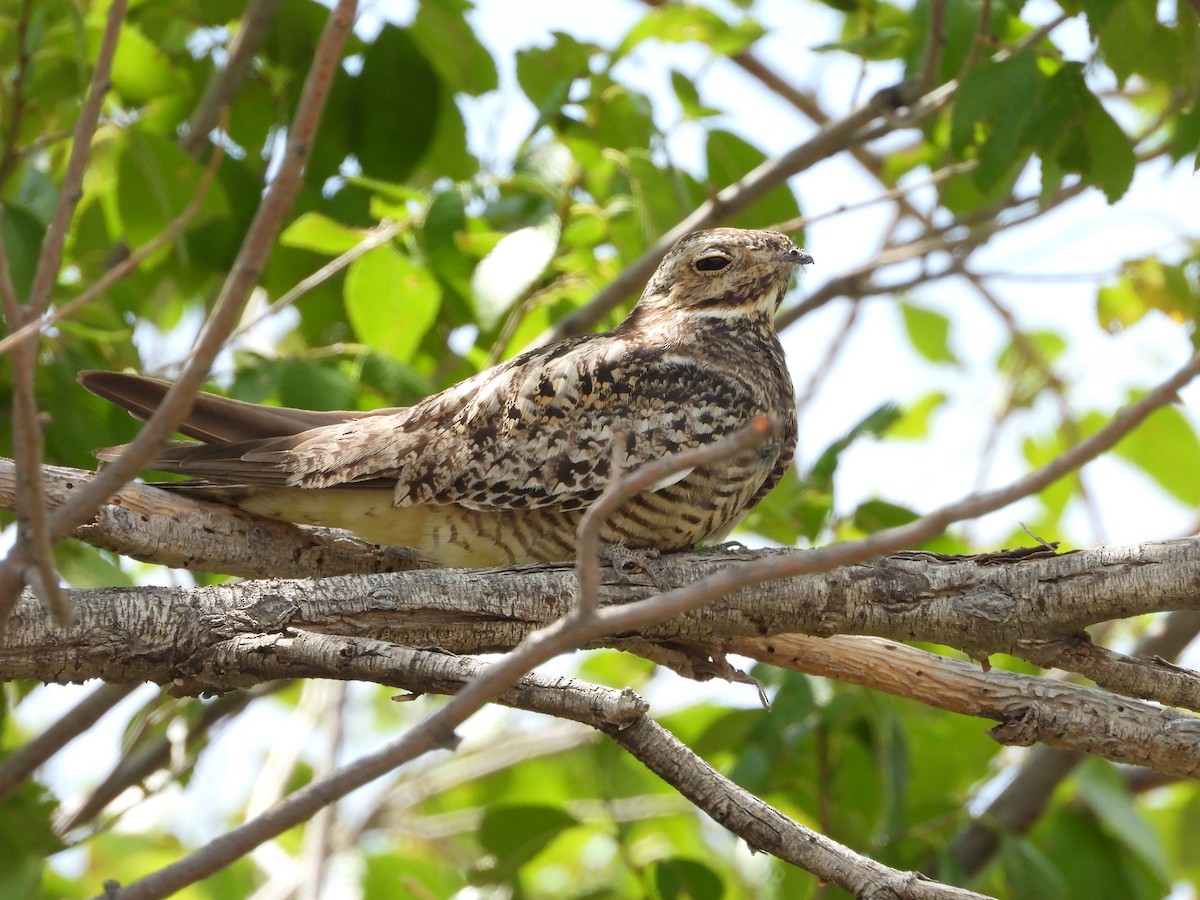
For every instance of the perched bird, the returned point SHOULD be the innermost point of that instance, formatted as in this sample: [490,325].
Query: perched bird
[500,468]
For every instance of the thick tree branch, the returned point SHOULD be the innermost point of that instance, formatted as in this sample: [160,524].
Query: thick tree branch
[978,606]
[1029,709]
[155,526]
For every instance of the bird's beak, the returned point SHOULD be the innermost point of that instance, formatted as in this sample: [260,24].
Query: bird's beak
[797,257]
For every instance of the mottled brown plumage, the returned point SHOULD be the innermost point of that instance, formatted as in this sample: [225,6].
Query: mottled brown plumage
[500,467]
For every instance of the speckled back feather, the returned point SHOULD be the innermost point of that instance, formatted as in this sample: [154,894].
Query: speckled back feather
[526,445]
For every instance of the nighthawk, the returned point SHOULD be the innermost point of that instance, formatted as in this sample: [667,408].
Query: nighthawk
[499,468]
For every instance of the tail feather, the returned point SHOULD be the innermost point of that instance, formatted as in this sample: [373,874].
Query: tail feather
[212,419]
[232,433]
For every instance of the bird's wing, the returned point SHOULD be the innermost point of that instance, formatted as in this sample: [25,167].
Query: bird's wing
[536,431]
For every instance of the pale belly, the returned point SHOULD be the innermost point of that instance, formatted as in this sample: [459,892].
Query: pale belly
[674,518]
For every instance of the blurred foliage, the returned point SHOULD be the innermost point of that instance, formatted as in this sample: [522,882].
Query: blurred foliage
[489,253]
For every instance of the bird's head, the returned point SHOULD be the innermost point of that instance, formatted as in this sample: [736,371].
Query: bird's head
[725,273]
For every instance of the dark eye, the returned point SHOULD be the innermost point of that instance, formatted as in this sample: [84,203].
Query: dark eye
[712,263]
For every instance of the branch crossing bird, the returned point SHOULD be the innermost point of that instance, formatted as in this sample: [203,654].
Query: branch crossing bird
[499,468]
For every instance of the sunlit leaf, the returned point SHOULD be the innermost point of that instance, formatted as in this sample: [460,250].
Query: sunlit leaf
[928,332]
[511,268]
[515,834]
[687,879]
[314,231]
[442,30]
[914,421]
[391,301]
[1166,448]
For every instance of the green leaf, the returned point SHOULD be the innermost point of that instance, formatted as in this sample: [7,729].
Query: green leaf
[686,879]
[445,220]
[387,143]
[689,97]
[1134,41]
[516,834]
[141,72]
[1028,362]
[512,267]
[990,111]
[442,30]
[22,233]
[85,567]
[1148,284]
[1069,125]
[28,838]
[311,384]
[729,159]
[1028,871]
[876,515]
[1104,789]
[928,332]
[156,181]
[391,301]
[546,73]
[681,23]
[914,423]
[874,424]
[317,232]
[1166,448]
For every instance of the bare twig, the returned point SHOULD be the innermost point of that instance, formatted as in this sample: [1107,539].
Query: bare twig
[30,559]
[765,828]
[252,29]
[935,44]
[33,562]
[16,95]
[137,764]
[896,193]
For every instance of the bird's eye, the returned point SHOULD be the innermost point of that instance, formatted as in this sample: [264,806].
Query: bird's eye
[712,263]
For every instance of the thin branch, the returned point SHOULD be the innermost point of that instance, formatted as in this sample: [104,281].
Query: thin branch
[1148,679]
[375,237]
[900,191]
[765,828]
[71,190]
[144,759]
[252,29]
[16,96]
[32,555]
[31,558]
[935,45]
